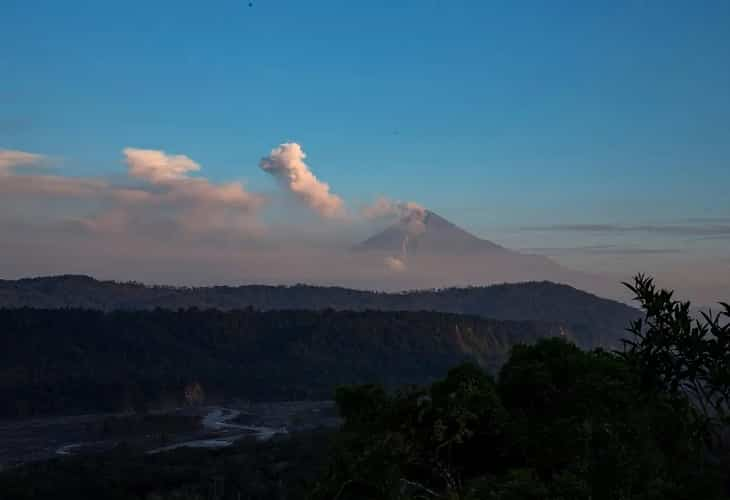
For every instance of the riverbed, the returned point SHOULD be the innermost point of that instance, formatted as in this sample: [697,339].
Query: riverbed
[23,441]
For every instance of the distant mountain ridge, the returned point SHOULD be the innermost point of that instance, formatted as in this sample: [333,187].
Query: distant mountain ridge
[594,321]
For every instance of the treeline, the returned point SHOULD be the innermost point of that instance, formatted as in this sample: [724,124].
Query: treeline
[595,321]
[557,424]
[68,361]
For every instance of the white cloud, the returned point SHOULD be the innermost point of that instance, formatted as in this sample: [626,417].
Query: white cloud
[158,167]
[166,194]
[12,158]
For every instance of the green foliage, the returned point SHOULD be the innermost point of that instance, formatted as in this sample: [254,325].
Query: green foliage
[677,354]
[415,441]
[560,424]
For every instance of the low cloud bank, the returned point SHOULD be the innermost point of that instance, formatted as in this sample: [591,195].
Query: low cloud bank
[163,194]
[13,158]
[166,222]
[165,197]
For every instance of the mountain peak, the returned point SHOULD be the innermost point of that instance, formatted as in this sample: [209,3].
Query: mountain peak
[435,235]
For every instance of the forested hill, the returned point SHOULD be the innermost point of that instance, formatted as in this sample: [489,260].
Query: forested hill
[70,361]
[594,320]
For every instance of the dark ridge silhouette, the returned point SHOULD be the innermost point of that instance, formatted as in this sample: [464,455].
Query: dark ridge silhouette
[595,321]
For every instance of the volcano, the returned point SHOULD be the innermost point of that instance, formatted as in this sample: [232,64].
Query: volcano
[436,236]
[428,250]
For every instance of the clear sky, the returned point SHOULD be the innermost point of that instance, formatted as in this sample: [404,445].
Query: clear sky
[501,116]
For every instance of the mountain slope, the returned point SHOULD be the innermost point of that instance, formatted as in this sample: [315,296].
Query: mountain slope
[69,361]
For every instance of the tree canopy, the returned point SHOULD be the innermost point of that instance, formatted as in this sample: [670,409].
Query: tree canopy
[558,422]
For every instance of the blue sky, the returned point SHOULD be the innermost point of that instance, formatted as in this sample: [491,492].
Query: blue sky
[498,115]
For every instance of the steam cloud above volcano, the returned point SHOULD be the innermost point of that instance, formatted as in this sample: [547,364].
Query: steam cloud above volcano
[386,208]
[286,164]
[412,217]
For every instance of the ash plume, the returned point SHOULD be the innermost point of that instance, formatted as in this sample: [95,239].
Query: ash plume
[412,217]
[286,164]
